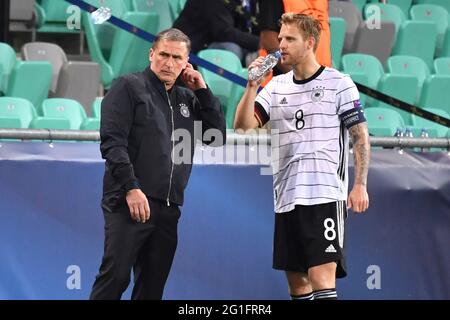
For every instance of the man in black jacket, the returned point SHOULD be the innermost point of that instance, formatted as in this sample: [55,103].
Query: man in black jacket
[213,21]
[144,177]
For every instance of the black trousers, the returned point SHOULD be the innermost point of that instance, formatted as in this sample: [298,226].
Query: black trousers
[146,248]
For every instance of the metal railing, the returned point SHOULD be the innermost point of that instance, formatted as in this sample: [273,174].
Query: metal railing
[232,138]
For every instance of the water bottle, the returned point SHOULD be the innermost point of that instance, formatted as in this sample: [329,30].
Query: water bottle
[399,134]
[269,62]
[101,15]
[424,134]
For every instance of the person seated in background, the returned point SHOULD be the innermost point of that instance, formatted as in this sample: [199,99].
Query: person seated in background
[216,24]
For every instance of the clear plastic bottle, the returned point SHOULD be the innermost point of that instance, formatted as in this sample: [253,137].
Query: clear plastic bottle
[424,134]
[269,62]
[408,133]
[101,15]
[399,133]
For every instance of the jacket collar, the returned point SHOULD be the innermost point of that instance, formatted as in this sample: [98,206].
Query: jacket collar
[155,82]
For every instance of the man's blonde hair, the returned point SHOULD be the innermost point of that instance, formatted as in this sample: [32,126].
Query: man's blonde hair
[308,26]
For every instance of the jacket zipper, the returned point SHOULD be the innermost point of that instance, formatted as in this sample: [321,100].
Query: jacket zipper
[173,148]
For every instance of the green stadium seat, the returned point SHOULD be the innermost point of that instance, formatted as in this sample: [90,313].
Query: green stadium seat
[96,107]
[50,123]
[399,87]
[445,52]
[235,96]
[436,14]
[364,69]
[383,121]
[408,65]
[337,29]
[404,5]
[411,34]
[100,37]
[443,3]
[161,7]
[442,66]
[7,63]
[129,53]
[16,112]
[227,60]
[68,109]
[91,124]
[30,80]
[436,93]
[432,127]
[123,52]
[53,17]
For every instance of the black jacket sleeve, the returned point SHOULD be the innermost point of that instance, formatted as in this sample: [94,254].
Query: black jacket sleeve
[223,30]
[116,120]
[210,112]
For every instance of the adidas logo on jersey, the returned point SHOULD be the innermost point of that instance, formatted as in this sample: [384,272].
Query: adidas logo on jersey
[283,101]
[330,249]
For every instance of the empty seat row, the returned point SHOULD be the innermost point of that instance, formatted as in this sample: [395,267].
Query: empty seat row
[54,113]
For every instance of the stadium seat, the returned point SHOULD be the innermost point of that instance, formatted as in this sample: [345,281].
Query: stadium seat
[436,93]
[30,80]
[388,12]
[50,123]
[16,112]
[227,60]
[442,66]
[21,17]
[411,34]
[363,63]
[350,13]
[96,107]
[383,121]
[66,109]
[359,4]
[445,52]
[235,96]
[7,62]
[443,3]
[409,65]
[432,127]
[337,29]
[91,124]
[45,51]
[401,88]
[436,14]
[161,7]
[126,53]
[404,5]
[367,40]
[129,53]
[100,37]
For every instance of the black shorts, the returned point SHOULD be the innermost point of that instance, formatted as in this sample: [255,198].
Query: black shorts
[309,236]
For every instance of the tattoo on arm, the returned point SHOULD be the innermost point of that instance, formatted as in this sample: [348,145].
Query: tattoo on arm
[361,151]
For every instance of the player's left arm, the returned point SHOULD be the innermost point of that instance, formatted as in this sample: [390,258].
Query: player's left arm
[358,199]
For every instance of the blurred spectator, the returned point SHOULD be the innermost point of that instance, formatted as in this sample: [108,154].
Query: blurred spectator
[216,24]
[4,20]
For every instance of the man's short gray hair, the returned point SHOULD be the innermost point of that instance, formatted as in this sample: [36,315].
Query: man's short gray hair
[173,34]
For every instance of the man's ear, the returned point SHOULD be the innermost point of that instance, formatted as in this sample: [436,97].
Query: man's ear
[150,54]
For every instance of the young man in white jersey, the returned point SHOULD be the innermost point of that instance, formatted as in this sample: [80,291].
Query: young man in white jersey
[313,109]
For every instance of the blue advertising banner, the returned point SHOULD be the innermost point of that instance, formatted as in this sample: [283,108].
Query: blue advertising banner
[51,228]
